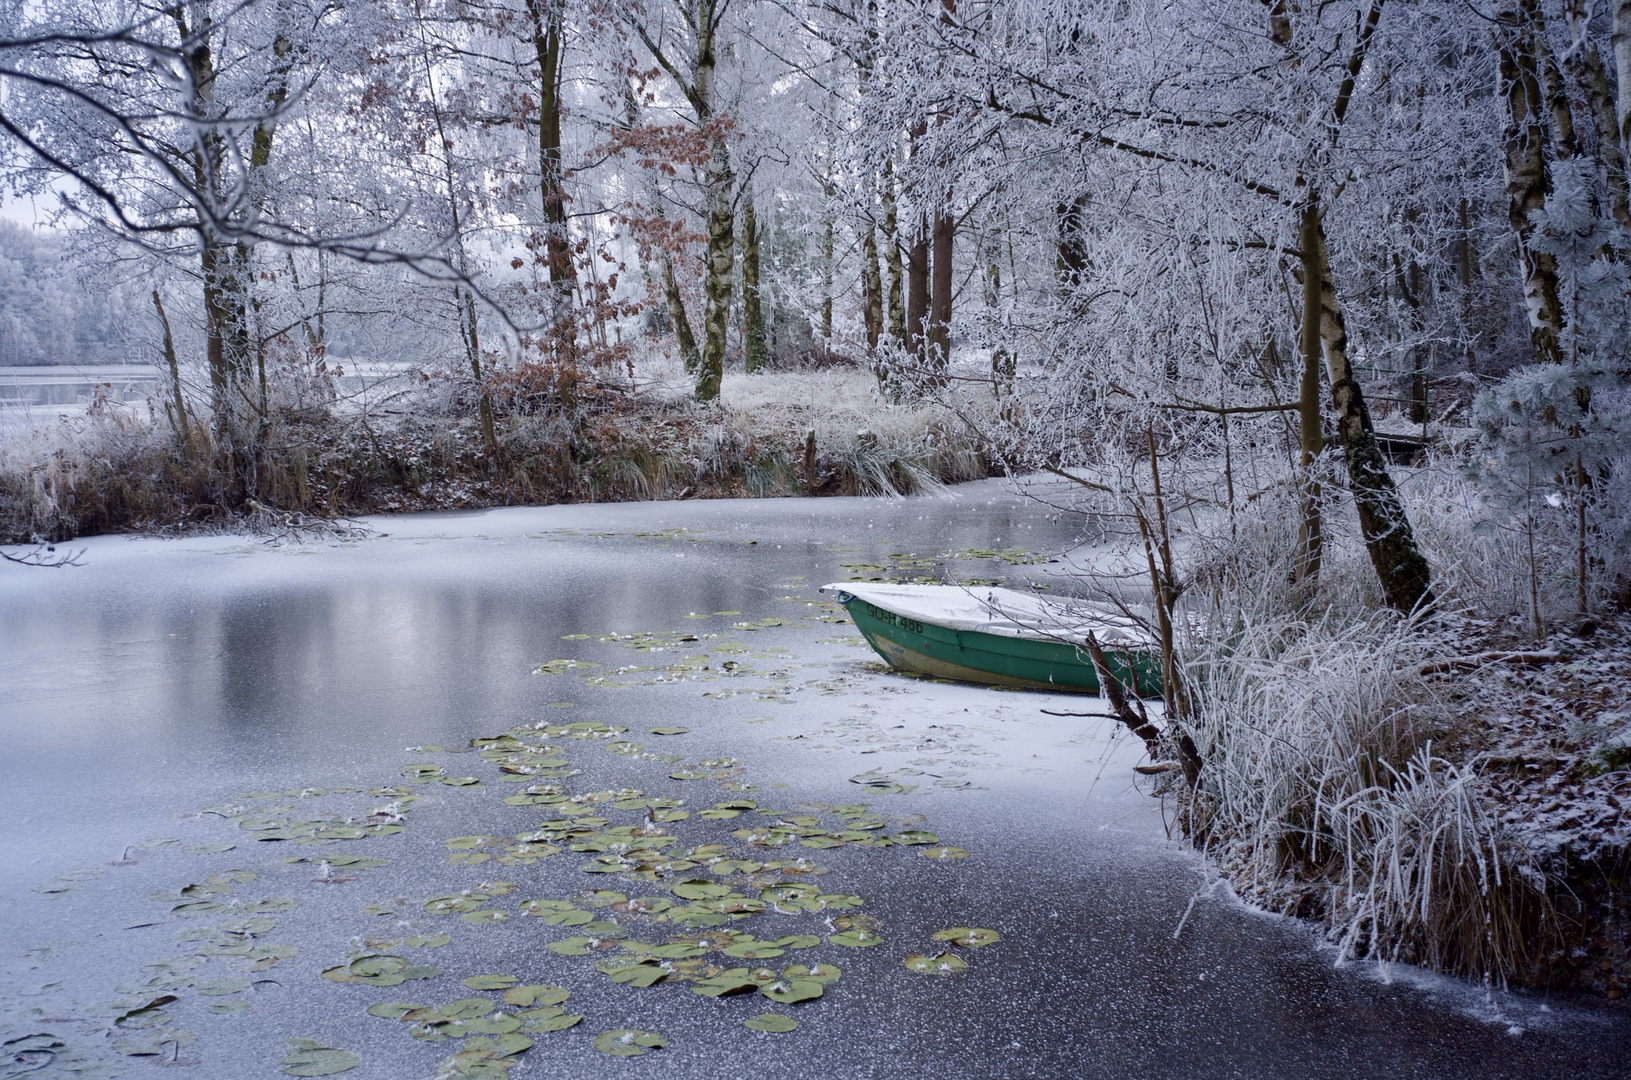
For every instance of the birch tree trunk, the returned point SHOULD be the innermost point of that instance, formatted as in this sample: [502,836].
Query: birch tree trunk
[1587,65]
[754,351]
[871,288]
[683,336]
[892,260]
[1405,576]
[1528,178]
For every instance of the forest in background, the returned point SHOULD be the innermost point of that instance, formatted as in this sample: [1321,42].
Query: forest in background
[1327,307]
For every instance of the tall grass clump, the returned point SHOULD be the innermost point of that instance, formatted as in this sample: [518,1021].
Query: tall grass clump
[1321,795]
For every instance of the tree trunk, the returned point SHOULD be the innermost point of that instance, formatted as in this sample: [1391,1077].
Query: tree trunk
[1070,252]
[716,285]
[683,336]
[179,403]
[871,288]
[1622,71]
[547,37]
[466,301]
[826,269]
[754,352]
[939,331]
[1405,576]
[917,289]
[1310,534]
[721,251]
[892,260]
[1587,64]
[1528,178]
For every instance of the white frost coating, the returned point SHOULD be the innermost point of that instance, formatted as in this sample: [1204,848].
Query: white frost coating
[988,610]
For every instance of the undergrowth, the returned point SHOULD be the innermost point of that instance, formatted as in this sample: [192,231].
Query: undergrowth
[129,469]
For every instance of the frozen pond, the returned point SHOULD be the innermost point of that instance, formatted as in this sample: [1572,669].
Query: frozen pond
[164,678]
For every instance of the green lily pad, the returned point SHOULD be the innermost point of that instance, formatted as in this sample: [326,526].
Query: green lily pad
[944,964]
[494,1024]
[640,974]
[626,1042]
[965,935]
[717,814]
[798,941]
[648,905]
[774,1022]
[491,982]
[574,917]
[449,905]
[549,1019]
[941,853]
[821,973]
[915,836]
[686,774]
[754,950]
[309,1058]
[466,1009]
[700,890]
[856,939]
[572,946]
[427,941]
[788,991]
[725,984]
[536,995]
[485,915]
[501,1046]
[392,1010]
[672,729]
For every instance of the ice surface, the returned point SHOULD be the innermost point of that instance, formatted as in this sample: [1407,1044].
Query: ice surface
[163,677]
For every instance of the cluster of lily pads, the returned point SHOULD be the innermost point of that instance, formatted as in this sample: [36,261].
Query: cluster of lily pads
[696,925]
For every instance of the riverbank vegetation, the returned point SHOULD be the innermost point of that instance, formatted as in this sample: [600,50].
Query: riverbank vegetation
[1328,306]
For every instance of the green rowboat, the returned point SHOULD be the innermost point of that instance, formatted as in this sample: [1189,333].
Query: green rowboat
[997,636]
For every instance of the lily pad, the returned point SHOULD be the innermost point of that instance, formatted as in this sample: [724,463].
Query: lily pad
[754,950]
[549,1019]
[774,1022]
[309,1058]
[392,1010]
[736,981]
[427,941]
[640,974]
[941,853]
[915,836]
[626,1042]
[856,939]
[821,973]
[965,935]
[536,995]
[672,729]
[491,982]
[700,890]
[788,991]
[466,1009]
[500,1046]
[798,941]
[943,964]
[484,915]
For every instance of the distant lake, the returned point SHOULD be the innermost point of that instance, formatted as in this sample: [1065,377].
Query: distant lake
[69,390]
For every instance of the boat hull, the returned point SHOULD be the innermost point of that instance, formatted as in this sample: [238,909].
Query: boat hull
[995,659]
